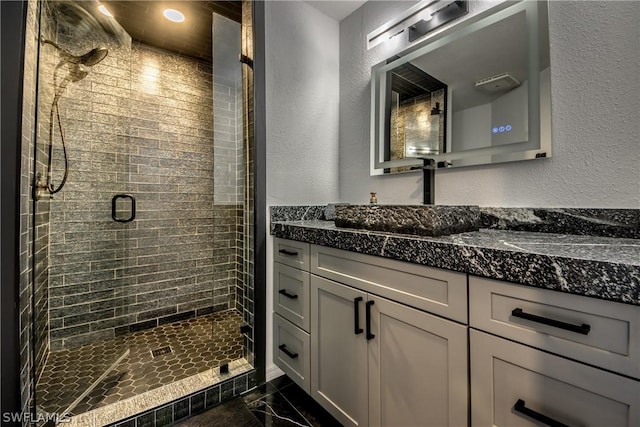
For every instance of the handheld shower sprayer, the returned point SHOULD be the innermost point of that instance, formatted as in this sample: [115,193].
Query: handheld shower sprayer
[78,69]
[89,59]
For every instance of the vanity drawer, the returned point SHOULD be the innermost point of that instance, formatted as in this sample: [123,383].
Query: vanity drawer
[292,253]
[291,347]
[291,294]
[509,380]
[434,290]
[601,333]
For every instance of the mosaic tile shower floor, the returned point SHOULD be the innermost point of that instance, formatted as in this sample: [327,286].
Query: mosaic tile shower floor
[197,345]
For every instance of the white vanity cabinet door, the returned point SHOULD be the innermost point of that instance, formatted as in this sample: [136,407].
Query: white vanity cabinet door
[338,354]
[418,371]
[508,378]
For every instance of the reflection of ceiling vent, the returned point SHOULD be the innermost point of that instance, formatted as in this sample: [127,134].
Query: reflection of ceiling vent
[500,82]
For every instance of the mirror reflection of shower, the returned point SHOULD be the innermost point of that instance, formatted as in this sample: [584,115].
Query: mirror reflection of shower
[78,67]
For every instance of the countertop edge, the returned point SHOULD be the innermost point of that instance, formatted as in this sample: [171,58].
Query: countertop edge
[597,279]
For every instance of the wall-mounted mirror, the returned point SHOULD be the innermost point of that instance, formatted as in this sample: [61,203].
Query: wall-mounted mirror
[477,93]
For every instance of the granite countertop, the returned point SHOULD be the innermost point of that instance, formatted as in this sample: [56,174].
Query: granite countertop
[601,267]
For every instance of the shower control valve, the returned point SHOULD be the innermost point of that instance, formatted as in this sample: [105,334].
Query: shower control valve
[41,189]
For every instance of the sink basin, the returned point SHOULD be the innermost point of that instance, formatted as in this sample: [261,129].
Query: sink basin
[423,220]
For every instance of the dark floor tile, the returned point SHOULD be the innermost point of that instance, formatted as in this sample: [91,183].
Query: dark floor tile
[275,411]
[281,382]
[258,393]
[315,414]
[267,388]
[194,350]
[232,413]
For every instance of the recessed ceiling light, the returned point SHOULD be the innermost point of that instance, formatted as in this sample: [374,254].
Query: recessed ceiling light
[173,15]
[105,11]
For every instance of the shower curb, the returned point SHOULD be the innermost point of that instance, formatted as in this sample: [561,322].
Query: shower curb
[174,402]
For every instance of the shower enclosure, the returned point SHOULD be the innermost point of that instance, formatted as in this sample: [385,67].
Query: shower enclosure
[141,223]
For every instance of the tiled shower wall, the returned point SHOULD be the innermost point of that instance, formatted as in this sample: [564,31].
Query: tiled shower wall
[228,183]
[147,130]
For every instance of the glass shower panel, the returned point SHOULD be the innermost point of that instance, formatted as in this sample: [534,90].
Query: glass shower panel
[80,236]
[229,205]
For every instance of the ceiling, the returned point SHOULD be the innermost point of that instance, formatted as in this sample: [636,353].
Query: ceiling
[337,10]
[144,22]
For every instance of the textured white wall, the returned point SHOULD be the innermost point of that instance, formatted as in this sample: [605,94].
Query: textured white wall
[302,79]
[302,46]
[595,80]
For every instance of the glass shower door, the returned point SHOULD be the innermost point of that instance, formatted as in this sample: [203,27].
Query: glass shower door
[81,204]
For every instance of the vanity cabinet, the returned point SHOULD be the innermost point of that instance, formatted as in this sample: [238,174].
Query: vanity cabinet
[378,362]
[516,385]
[541,374]
[359,334]
[605,334]
[379,342]
[291,340]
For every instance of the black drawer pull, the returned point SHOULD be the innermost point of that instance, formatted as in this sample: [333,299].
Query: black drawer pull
[288,252]
[520,407]
[285,350]
[356,316]
[287,294]
[580,329]
[367,313]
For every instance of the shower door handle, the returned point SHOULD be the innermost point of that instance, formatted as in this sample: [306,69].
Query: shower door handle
[114,202]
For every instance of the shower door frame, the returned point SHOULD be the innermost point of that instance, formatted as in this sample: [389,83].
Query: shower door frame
[13,31]
[260,189]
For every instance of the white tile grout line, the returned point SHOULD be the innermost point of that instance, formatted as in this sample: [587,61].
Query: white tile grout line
[157,397]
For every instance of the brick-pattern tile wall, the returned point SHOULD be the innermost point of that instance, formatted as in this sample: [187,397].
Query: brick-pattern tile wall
[141,123]
[87,254]
[419,106]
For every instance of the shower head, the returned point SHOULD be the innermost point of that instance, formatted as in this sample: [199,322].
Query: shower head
[77,72]
[89,59]
[93,57]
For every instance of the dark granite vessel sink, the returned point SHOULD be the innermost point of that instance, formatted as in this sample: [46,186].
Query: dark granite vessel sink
[424,220]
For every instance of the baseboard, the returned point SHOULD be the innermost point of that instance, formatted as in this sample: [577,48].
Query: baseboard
[273,372]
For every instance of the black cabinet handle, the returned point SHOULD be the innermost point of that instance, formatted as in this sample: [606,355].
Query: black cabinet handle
[580,329]
[287,294]
[285,350]
[288,252]
[356,316]
[114,202]
[370,336]
[520,407]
